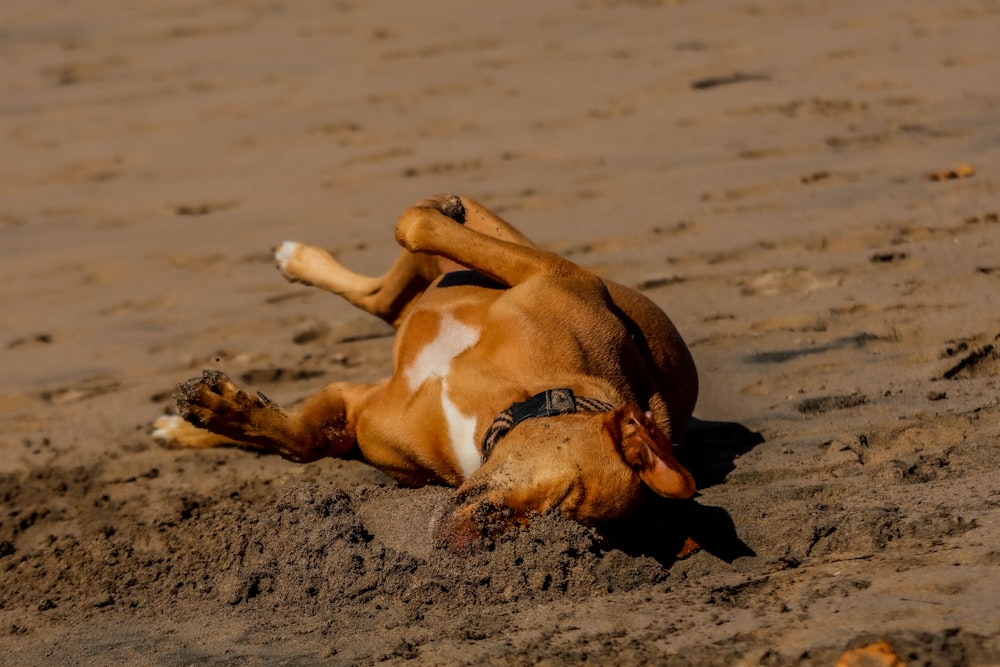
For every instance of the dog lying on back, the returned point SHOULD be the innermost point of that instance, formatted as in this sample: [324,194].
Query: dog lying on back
[522,379]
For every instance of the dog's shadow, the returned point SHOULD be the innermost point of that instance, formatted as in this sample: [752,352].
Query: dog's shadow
[662,527]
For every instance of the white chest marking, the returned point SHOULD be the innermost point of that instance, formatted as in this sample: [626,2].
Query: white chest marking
[434,361]
[462,433]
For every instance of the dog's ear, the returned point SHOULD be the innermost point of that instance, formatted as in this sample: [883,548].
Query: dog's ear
[647,450]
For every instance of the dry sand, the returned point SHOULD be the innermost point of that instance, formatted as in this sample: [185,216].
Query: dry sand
[759,168]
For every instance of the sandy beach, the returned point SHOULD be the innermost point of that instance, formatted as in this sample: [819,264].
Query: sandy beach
[811,190]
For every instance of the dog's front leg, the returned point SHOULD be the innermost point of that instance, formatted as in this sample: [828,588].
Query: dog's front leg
[322,427]
[385,297]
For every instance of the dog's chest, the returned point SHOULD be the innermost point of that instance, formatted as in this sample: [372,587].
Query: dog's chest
[434,359]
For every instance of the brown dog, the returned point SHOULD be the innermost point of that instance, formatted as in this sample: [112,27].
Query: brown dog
[519,377]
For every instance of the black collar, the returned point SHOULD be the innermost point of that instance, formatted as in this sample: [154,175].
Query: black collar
[546,404]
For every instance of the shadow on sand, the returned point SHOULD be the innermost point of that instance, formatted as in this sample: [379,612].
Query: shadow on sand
[662,526]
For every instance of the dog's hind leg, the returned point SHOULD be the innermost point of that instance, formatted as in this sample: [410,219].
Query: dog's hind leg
[389,295]
[506,257]
[323,426]
[479,218]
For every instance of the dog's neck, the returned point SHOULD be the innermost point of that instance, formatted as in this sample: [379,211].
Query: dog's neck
[598,389]
[548,403]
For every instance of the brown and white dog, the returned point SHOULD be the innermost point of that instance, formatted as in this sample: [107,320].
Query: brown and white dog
[526,381]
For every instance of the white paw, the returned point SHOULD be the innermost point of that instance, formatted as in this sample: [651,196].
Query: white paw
[284,253]
[173,431]
[168,429]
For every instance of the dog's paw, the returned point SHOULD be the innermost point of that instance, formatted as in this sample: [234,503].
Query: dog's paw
[418,232]
[284,252]
[173,431]
[292,260]
[449,205]
[169,430]
[215,403]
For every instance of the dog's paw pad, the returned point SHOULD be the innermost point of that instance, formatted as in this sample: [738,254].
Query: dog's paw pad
[449,205]
[191,393]
[212,399]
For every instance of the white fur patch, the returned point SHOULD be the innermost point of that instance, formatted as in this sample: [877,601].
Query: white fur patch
[284,252]
[434,361]
[462,433]
[167,428]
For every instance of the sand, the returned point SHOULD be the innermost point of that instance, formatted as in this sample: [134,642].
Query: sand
[760,169]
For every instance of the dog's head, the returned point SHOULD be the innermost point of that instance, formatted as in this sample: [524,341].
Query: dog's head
[589,466]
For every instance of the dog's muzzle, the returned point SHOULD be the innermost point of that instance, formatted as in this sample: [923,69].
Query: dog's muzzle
[546,404]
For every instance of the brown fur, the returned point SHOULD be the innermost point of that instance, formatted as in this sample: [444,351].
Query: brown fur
[544,323]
